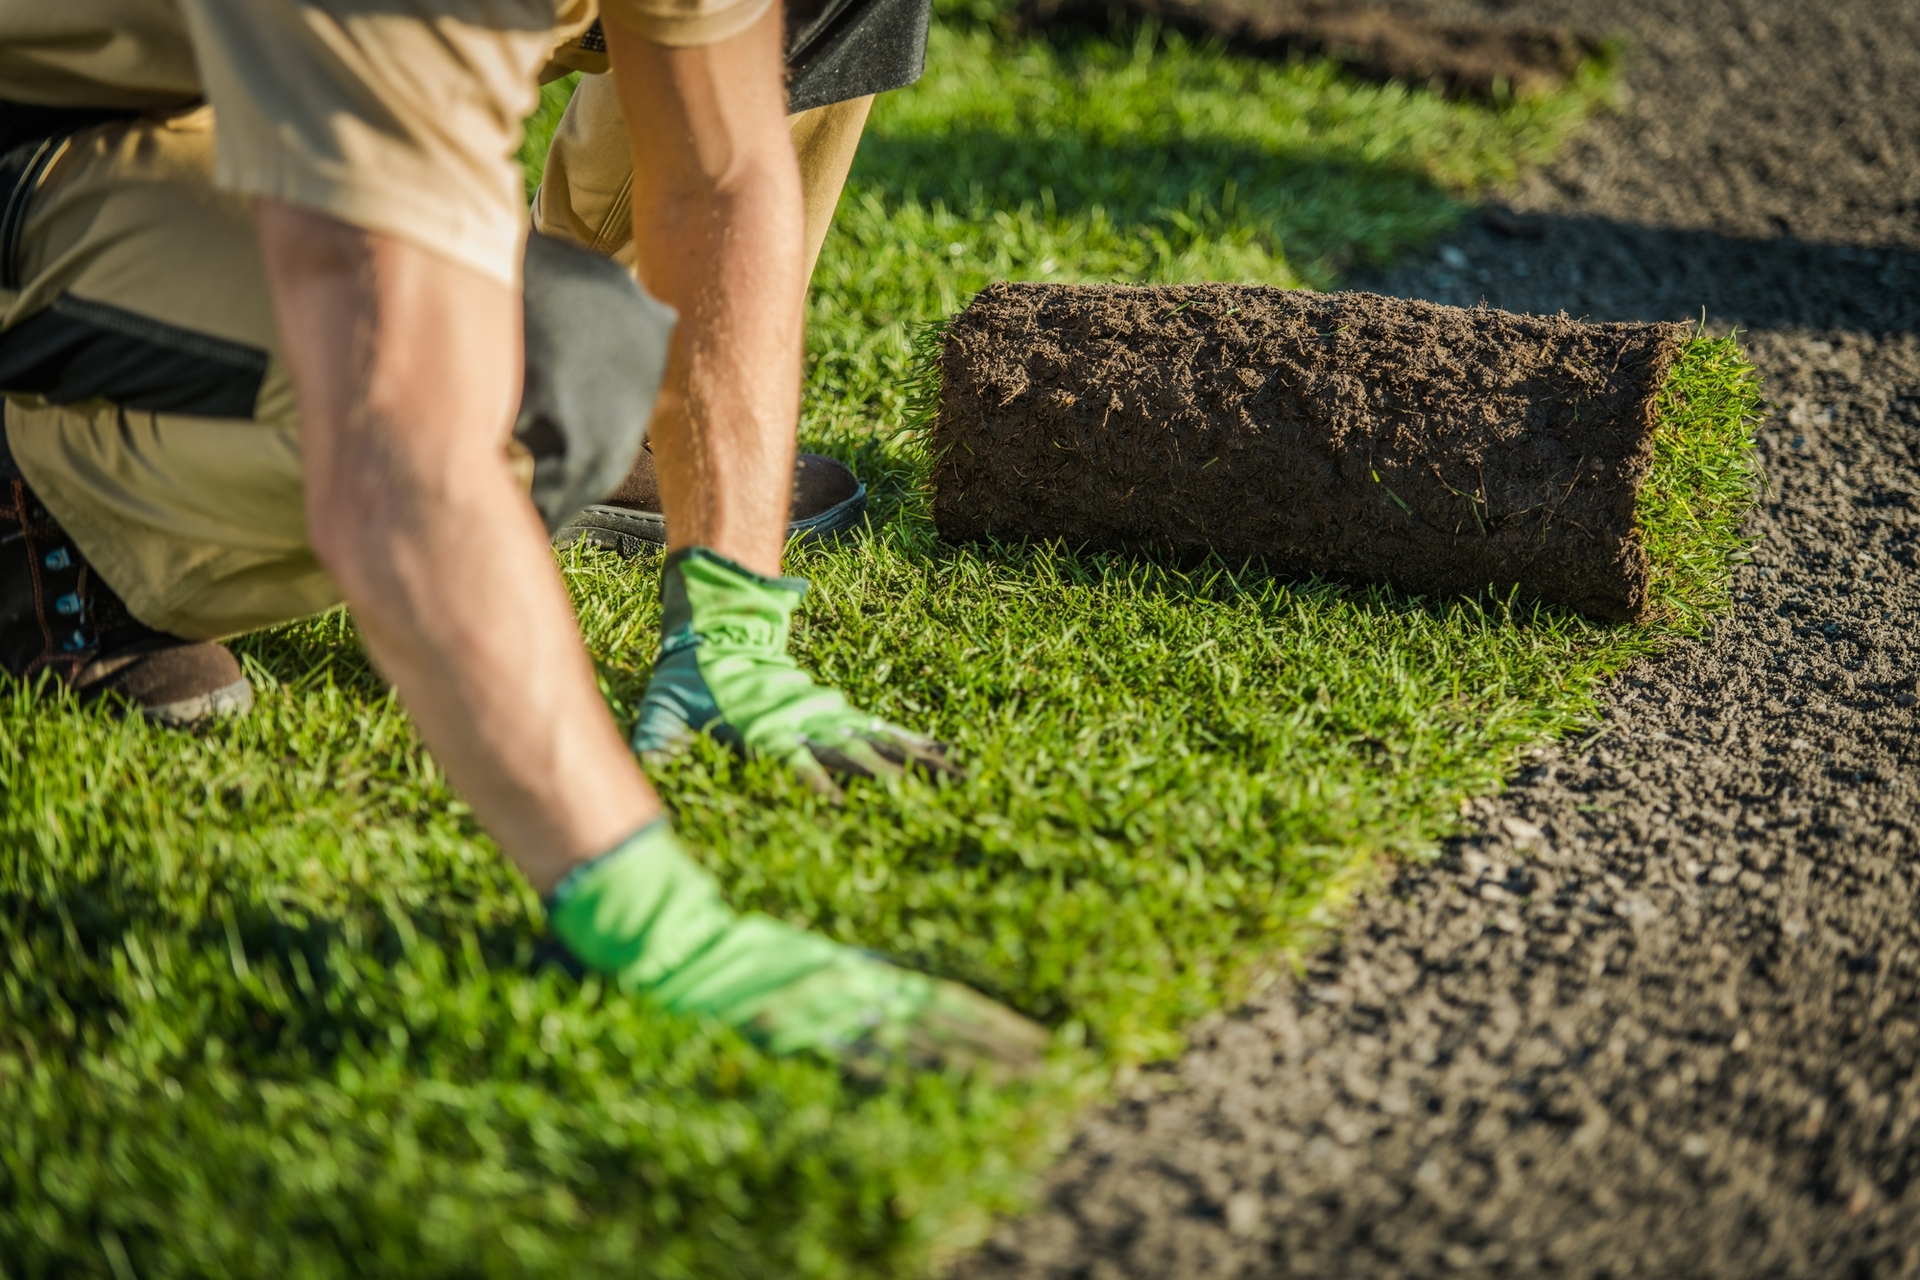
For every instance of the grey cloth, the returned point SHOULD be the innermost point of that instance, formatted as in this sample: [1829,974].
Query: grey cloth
[596,353]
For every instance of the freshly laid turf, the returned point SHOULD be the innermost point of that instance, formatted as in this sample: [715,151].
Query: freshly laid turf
[270,1004]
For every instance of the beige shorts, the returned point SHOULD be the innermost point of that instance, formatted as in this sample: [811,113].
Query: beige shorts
[586,192]
[196,518]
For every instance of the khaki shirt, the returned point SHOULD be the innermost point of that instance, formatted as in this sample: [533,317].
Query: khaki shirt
[400,116]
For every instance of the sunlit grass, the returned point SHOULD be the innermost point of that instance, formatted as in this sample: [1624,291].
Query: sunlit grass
[271,1004]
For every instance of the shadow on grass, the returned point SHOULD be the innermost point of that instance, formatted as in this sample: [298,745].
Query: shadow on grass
[1328,211]
[312,652]
[293,970]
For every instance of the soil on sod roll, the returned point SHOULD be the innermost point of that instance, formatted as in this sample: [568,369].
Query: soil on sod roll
[1442,450]
[1463,59]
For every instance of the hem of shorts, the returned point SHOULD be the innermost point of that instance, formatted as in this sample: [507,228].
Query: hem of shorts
[169,609]
[402,212]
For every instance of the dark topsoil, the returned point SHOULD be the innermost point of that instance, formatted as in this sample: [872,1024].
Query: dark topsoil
[1444,450]
[1660,1017]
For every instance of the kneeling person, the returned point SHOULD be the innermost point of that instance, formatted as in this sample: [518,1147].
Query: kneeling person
[267,353]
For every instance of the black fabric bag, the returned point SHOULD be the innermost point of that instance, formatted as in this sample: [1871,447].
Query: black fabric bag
[842,49]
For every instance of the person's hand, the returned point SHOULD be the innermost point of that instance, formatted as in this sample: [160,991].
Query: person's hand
[724,670]
[653,921]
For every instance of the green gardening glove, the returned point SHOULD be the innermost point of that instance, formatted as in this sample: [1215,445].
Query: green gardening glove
[724,669]
[653,921]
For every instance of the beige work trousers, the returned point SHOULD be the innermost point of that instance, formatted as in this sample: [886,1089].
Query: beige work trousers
[198,522]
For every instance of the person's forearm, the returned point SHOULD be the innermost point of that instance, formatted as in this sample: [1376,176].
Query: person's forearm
[723,431]
[406,366]
[720,235]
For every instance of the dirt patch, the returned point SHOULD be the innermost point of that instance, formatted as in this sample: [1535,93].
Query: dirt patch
[1660,1015]
[1470,59]
[1443,450]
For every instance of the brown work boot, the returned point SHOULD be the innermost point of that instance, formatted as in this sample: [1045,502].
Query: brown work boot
[828,501]
[58,616]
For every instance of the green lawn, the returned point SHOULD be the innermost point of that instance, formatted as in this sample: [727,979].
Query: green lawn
[269,1006]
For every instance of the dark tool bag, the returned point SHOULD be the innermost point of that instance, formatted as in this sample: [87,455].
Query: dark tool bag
[841,49]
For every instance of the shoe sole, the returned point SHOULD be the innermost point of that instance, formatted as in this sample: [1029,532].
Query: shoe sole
[232,700]
[631,533]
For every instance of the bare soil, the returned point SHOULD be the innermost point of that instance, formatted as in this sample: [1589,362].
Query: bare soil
[1443,450]
[1460,57]
[1660,1014]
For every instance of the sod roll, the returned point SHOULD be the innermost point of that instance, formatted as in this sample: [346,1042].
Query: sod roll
[1443,451]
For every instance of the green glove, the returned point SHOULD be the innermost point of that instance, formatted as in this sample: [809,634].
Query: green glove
[723,669]
[650,918]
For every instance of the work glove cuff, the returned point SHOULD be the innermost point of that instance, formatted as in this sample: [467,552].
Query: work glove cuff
[724,594]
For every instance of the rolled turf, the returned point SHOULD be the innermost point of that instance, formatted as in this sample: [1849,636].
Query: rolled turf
[1441,450]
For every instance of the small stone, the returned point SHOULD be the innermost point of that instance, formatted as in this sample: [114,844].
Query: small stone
[1243,1213]
[1521,830]
[1742,1041]
[1695,1146]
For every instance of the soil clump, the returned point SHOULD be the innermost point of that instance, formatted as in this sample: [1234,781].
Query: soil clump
[1445,451]
[1459,58]
[1659,1014]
